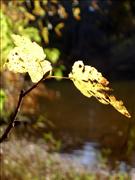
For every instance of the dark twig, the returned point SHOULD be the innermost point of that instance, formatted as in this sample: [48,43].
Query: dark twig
[11,124]
[13,117]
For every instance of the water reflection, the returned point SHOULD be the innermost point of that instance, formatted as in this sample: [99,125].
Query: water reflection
[91,158]
[88,155]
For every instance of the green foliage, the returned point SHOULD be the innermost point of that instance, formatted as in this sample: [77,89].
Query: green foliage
[32,33]
[120,176]
[5,38]
[2,100]
[52,54]
[58,72]
[54,144]
[4,114]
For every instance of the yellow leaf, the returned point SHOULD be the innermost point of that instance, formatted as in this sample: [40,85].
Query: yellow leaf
[76,13]
[62,12]
[45,34]
[28,57]
[90,82]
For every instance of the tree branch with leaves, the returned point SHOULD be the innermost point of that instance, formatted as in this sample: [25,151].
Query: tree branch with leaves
[29,57]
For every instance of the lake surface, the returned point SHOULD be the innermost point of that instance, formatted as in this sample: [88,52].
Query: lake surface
[85,125]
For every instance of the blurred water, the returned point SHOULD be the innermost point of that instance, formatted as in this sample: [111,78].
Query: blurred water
[88,155]
[79,121]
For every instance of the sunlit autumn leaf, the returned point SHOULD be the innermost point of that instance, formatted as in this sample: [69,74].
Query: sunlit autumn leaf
[28,57]
[90,82]
[76,13]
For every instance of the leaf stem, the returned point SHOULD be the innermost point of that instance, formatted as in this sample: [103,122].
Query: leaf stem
[61,77]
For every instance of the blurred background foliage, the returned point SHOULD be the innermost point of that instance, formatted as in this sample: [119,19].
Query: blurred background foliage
[2,99]
[21,21]
[108,26]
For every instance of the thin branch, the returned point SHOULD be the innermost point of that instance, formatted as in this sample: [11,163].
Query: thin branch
[11,124]
[34,86]
[13,117]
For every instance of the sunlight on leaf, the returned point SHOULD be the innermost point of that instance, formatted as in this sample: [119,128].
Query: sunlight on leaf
[38,9]
[28,57]
[76,13]
[62,12]
[45,34]
[90,82]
